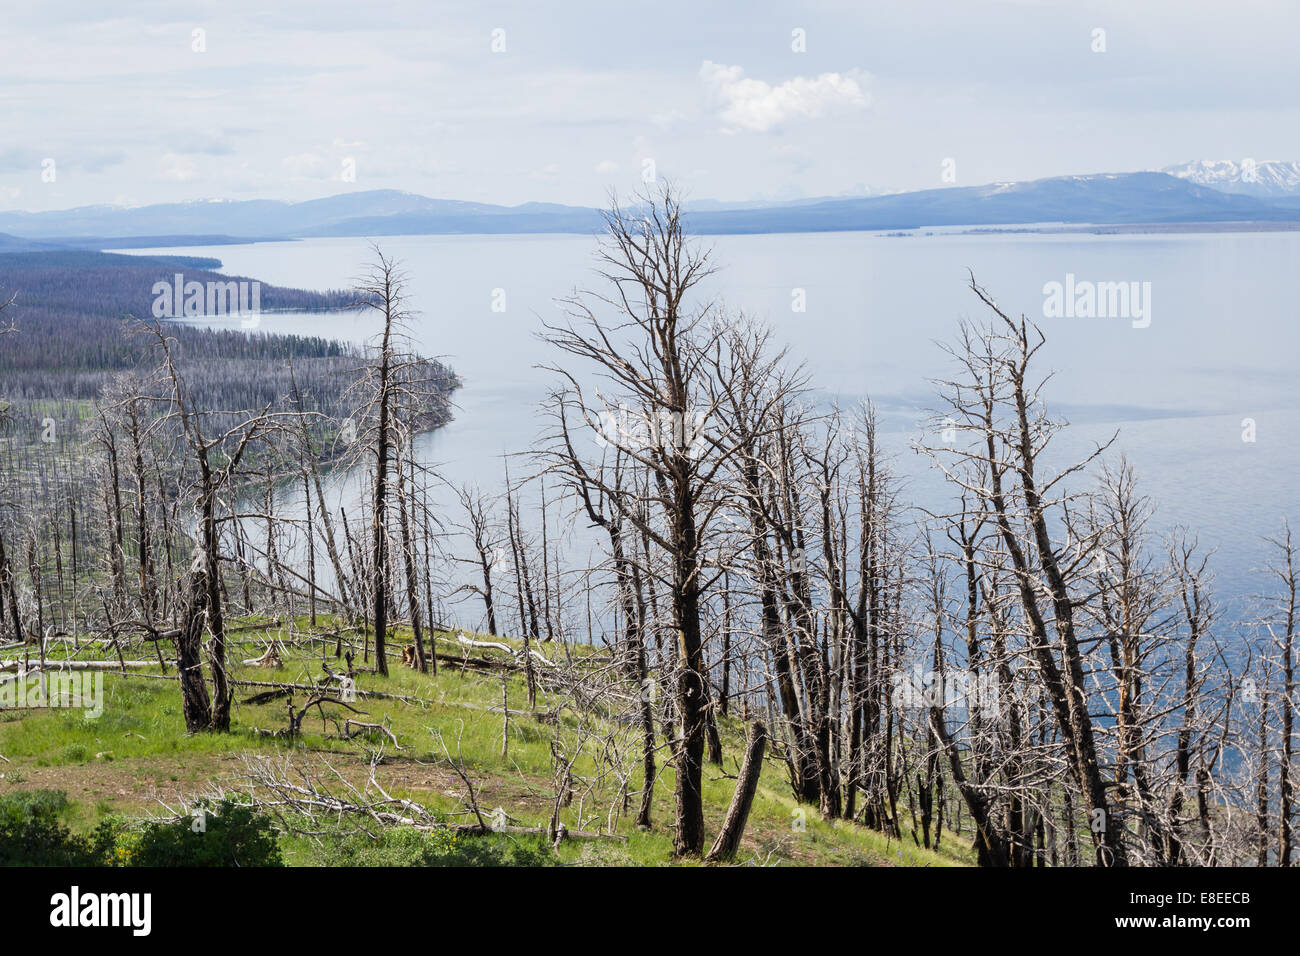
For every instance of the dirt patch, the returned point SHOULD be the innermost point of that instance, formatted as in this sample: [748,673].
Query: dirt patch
[125,786]
[137,785]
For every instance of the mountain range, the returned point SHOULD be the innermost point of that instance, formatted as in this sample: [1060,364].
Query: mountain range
[1248,177]
[1199,192]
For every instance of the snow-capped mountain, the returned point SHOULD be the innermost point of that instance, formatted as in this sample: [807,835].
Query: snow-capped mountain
[1252,177]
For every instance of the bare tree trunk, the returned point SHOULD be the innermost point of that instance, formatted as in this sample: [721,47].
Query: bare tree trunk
[1289,575]
[195,703]
[9,593]
[733,826]
[408,566]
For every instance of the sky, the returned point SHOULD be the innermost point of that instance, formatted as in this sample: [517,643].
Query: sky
[140,101]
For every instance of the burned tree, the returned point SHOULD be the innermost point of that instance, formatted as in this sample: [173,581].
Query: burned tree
[216,462]
[647,338]
[995,407]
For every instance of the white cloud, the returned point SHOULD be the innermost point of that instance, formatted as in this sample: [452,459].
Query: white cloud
[748,104]
[606,166]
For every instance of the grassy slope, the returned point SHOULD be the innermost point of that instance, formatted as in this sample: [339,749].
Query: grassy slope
[137,753]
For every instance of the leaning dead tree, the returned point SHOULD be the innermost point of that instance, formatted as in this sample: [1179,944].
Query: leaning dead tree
[733,827]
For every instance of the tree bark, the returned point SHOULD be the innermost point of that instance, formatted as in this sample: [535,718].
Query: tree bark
[733,827]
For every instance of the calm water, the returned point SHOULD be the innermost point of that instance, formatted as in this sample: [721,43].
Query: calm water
[1222,345]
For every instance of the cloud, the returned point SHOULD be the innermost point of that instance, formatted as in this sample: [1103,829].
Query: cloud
[178,169]
[668,119]
[744,103]
[203,144]
[304,165]
[17,159]
[99,160]
[606,166]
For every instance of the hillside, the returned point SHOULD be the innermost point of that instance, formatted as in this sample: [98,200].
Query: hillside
[135,759]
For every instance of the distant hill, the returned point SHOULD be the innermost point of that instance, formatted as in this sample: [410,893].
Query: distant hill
[10,243]
[1103,199]
[257,217]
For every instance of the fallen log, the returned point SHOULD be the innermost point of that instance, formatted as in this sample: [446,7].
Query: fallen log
[267,696]
[54,666]
[467,642]
[477,663]
[269,659]
[280,689]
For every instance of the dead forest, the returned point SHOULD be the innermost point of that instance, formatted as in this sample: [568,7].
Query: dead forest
[1034,670]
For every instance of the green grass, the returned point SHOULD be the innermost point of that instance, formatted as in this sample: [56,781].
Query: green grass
[137,754]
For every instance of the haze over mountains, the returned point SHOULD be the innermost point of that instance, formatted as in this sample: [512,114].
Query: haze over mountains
[1198,192]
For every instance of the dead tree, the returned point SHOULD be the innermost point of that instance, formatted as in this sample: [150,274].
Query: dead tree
[216,462]
[627,585]
[995,407]
[646,338]
[397,391]
[382,290]
[485,541]
[1282,628]
[733,826]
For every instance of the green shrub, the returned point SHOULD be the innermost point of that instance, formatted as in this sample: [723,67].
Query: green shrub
[32,834]
[74,753]
[225,834]
[405,846]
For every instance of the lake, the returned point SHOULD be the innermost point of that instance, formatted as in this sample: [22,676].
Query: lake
[1220,345]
